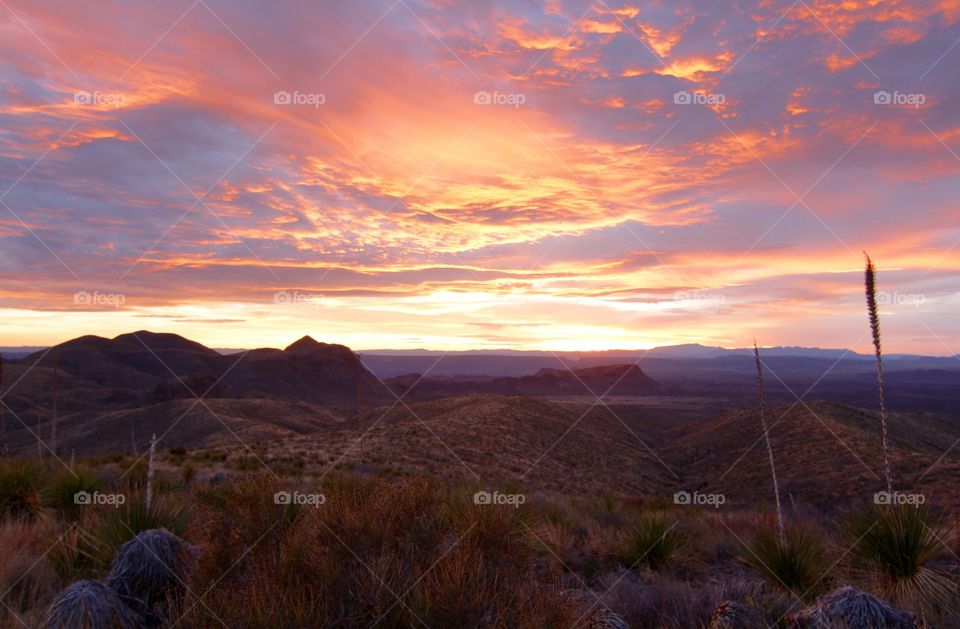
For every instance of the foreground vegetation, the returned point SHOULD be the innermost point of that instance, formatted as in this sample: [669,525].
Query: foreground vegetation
[372,549]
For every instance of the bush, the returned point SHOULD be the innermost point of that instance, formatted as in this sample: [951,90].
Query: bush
[110,528]
[20,482]
[896,542]
[796,564]
[90,604]
[150,574]
[59,493]
[652,541]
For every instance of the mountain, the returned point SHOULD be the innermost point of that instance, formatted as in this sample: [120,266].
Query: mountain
[111,387]
[591,381]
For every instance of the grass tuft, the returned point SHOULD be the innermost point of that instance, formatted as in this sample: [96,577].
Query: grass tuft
[795,562]
[652,541]
[897,542]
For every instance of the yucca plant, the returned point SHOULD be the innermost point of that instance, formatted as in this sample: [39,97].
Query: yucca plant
[652,541]
[60,493]
[870,284]
[150,574]
[896,542]
[20,484]
[90,604]
[795,562]
[112,527]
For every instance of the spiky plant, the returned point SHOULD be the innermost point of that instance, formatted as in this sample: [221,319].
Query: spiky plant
[796,564]
[60,493]
[20,483]
[87,604]
[652,541]
[896,543]
[870,283]
[150,574]
[113,527]
[849,607]
[766,436]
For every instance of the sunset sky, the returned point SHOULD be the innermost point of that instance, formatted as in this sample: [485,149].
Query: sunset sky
[480,174]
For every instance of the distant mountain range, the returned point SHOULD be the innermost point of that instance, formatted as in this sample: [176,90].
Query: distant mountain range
[689,350]
[145,381]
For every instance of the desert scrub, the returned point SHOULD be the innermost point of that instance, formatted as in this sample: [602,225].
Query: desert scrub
[108,528]
[449,561]
[20,484]
[27,582]
[653,541]
[897,542]
[60,493]
[795,560]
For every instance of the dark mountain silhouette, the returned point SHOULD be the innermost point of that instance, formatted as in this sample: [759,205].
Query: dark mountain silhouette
[605,379]
[145,378]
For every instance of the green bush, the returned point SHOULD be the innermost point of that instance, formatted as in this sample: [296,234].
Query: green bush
[652,541]
[110,527]
[797,564]
[896,543]
[59,494]
[20,483]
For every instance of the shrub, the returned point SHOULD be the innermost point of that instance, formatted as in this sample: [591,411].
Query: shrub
[20,482]
[896,542]
[59,493]
[796,563]
[652,541]
[111,528]
[150,574]
[87,604]
[848,607]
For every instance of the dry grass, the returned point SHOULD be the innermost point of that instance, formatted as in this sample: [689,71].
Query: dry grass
[394,551]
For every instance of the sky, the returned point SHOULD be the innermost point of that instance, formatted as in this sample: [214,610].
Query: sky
[556,175]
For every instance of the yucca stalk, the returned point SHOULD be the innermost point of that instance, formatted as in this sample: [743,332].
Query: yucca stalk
[870,281]
[56,395]
[360,404]
[766,435]
[153,448]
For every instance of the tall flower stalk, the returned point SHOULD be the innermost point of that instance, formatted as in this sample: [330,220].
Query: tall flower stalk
[148,499]
[870,281]
[55,414]
[766,435]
